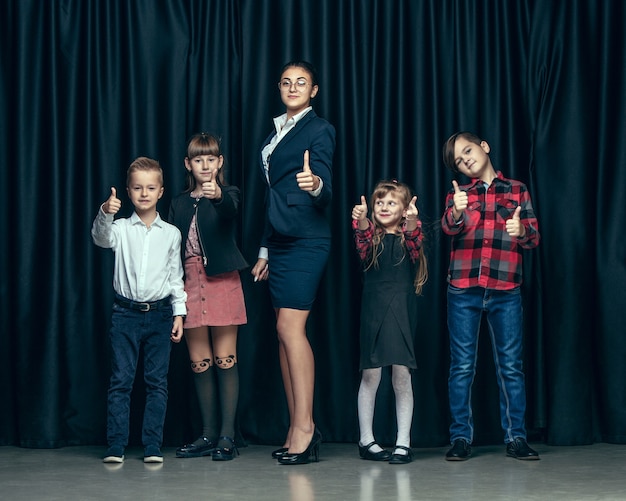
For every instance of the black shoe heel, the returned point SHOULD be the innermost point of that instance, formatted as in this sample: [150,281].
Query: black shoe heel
[310,454]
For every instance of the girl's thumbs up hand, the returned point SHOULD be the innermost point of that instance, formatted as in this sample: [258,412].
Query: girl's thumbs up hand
[359,211]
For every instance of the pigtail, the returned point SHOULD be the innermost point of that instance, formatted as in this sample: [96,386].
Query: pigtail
[421,276]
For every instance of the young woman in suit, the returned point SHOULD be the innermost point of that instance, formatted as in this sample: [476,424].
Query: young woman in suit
[296,159]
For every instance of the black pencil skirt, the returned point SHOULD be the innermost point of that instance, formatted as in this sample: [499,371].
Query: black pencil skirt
[296,266]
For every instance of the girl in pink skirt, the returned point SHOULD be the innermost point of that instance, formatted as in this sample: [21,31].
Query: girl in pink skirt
[206,213]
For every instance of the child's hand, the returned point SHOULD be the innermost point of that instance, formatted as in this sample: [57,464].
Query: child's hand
[460,201]
[307,181]
[359,212]
[177,330]
[411,212]
[211,190]
[514,226]
[113,204]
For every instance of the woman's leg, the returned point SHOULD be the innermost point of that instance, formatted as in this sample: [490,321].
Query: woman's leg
[224,340]
[299,372]
[201,356]
[284,369]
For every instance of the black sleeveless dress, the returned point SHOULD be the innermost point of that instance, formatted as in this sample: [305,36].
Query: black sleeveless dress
[389,309]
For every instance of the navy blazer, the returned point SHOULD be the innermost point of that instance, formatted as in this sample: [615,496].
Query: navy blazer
[216,229]
[291,211]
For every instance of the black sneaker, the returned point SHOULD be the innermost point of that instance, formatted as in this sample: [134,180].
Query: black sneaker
[460,451]
[519,449]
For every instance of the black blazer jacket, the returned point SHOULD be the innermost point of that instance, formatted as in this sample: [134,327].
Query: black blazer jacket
[289,210]
[216,229]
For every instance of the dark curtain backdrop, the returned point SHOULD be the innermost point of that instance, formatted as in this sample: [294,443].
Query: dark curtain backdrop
[88,86]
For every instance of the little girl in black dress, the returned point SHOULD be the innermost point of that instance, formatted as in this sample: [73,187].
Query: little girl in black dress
[389,247]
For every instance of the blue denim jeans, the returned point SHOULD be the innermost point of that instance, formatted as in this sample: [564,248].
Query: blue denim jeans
[504,317]
[130,331]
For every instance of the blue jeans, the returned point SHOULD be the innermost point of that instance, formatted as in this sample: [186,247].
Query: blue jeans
[504,317]
[130,331]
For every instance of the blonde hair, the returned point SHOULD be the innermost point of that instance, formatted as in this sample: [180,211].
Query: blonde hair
[144,164]
[403,193]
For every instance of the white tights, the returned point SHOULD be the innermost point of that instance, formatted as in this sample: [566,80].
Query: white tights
[366,401]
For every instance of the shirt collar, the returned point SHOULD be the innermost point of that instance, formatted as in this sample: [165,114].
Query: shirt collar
[499,177]
[281,121]
[135,219]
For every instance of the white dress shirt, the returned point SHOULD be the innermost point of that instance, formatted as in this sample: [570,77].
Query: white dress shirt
[147,259]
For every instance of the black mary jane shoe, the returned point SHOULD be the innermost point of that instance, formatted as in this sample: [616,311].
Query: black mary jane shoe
[195,450]
[310,454]
[401,458]
[365,453]
[225,453]
[279,452]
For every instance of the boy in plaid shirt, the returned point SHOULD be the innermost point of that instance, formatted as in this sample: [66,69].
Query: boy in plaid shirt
[491,220]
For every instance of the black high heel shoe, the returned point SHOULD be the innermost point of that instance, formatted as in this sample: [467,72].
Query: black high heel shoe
[279,452]
[311,453]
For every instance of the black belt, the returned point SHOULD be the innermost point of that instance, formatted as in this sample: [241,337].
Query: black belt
[135,305]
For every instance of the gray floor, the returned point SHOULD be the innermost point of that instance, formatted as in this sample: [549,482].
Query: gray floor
[77,473]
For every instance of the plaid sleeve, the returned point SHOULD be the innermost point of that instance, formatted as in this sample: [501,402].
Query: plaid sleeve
[413,241]
[363,239]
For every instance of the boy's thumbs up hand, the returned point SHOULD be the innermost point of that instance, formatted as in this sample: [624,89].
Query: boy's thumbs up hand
[307,181]
[113,204]
[514,226]
[460,200]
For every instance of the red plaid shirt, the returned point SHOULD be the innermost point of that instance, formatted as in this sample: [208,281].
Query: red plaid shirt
[363,240]
[483,254]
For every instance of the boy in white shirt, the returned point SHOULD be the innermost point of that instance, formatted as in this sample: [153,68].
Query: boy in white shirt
[148,309]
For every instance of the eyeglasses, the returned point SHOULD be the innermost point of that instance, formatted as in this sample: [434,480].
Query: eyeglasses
[286,84]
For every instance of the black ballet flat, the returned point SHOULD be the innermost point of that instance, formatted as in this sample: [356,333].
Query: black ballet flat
[195,451]
[401,458]
[279,452]
[310,454]
[365,453]
[225,453]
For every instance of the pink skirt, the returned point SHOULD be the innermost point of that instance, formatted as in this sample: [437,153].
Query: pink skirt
[212,301]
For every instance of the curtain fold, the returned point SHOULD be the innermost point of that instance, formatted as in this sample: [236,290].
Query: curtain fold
[85,87]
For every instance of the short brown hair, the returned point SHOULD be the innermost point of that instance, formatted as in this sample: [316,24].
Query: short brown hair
[448,148]
[144,164]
